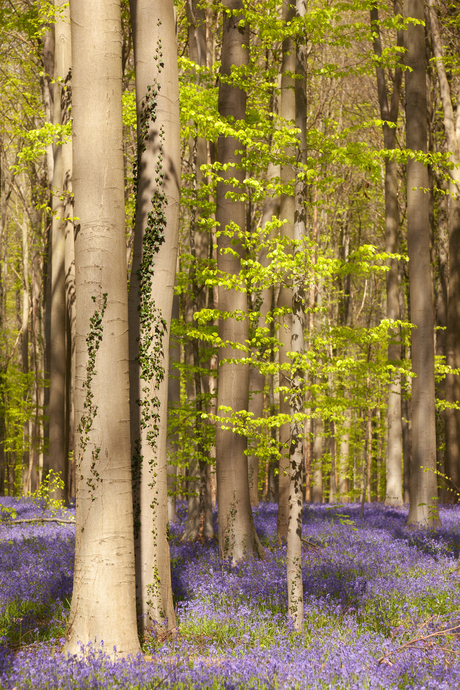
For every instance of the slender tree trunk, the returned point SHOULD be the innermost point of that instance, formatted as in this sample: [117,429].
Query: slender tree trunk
[237,535]
[173,403]
[389,113]
[58,447]
[199,517]
[287,211]
[452,386]
[151,297]
[104,518]
[48,102]
[256,379]
[296,454]
[2,325]
[441,345]
[343,458]
[63,41]
[317,473]
[25,351]
[333,475]
[423,506]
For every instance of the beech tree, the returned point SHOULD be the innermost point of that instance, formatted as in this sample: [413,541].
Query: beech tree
[389,109]
[297,402]
[104,547]
[423,495]
[62,270]
[151,292]
[237,536]
[451,123]
[287,209]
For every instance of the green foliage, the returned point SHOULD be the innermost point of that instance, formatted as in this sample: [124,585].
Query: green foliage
[45,494]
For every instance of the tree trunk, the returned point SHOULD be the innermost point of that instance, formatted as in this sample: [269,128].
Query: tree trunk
[297,402]
[389,113]
[151,296]
[423,500]
[25,352]
[256,379]
[287,211]
[48,102]
[452,386]
[343,458]
[173,403]
[317,473]
[237,536]
[441,345]
[104,596]
[199,516]
[331,445]
[58,447]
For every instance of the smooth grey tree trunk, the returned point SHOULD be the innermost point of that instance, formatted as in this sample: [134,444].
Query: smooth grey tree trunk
[317,470]
[452,386]
[297,402]
[237,536]
[25,349]
[151,298]
[104,596]
[48,103]
[58,436]
[287,212]
[423,500]
[343,458]
[199,515]
[172,443]
[256,379]
[389,113]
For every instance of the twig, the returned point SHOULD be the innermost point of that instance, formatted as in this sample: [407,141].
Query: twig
[43,519]
[420,638]
[311,544]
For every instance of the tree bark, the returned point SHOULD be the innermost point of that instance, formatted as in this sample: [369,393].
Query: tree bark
[58,437]
[423,506]
[452,386]
[173,403]
[25,351]
[237,536]
[317,472]
[343,458]
[256,379]
[199,516]
[287,211]
[151,291]
[389,113]
[297,398]
[103,601]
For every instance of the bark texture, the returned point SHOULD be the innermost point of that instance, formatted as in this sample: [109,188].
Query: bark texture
[61,235]
[256,379]
[389,113]
[452,387]
[287,211]
[199,515]
[151,297]
[423,494]
[237,536]
[296,454]
[103,600]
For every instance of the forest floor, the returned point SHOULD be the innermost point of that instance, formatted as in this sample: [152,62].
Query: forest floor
[382,606]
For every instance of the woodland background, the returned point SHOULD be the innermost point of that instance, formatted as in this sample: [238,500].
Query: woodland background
[286,332]
[347,330]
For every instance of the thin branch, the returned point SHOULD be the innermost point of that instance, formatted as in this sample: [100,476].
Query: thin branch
[420,638]
[42,519]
